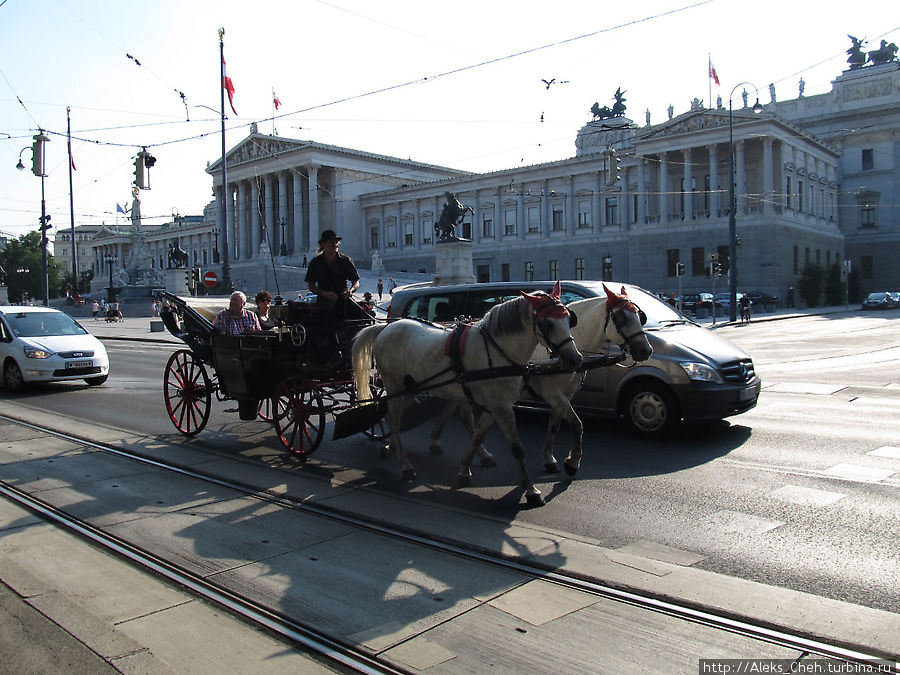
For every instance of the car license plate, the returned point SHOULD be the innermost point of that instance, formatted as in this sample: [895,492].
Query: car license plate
[79,364]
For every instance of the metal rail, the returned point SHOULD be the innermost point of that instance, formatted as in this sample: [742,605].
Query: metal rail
[327,646]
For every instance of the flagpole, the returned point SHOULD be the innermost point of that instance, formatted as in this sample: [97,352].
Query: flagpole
[226,267]
[709,79]
[273,111]
[72,202]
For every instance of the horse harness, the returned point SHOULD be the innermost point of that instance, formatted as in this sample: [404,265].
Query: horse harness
[619,321]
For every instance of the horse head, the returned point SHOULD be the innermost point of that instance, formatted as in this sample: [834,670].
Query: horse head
[552,326]
[627,320]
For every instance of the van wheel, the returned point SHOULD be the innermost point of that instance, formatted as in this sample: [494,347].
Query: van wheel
[12,376]
[651,410]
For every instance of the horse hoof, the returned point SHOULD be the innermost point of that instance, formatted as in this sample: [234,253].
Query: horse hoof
[409,475]
[488,462]
[553,467]
[571,468]
[465,481]
[535,500]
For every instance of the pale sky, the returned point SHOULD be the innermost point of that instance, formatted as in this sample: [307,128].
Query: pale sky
[453,84]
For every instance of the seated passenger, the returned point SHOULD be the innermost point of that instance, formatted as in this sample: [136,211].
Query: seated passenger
[366,303]
[263,302]
[236,320]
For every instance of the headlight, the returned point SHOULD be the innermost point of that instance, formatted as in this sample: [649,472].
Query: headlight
[701,372]
[35,353]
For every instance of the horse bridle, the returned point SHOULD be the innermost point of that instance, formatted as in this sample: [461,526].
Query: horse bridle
[619,321]
[556,310]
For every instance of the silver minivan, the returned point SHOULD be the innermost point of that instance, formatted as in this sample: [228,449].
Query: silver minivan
[693,375]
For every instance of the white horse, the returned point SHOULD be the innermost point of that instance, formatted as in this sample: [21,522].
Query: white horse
[410,356]
[601,323]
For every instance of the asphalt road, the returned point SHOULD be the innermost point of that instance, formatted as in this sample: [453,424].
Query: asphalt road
[802,492]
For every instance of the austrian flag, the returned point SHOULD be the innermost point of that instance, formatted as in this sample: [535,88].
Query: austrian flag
[713,74]
[275,100]
[229,87]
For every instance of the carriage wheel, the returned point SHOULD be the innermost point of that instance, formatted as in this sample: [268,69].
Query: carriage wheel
[380,430]
[266,409]
[299,416]
[187,390]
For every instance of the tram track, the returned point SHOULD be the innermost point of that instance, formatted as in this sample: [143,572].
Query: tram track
[308,637]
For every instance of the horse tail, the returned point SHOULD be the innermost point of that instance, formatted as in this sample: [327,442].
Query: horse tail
[363,345]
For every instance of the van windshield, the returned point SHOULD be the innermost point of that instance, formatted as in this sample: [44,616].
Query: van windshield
[43,324]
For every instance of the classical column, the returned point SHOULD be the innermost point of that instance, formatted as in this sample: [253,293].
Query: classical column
[768,183]
[255,220]
[641,191]
[545,210]
[521,220]
[240,222]
[338,203]
[600,203]
[571,217]
[688,185]
[476,220]
[301,233]
[663,189]
[273,235]
[741,178]
[715,202]
[283,212]
[313,192]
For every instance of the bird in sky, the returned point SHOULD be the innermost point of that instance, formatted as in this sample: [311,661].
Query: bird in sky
[551,81]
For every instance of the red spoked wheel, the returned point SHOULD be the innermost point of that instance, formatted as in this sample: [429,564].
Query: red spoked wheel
[266,409]
[299,416]
[380,430]
[188,392]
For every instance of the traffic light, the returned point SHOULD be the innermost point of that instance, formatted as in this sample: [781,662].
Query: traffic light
[140,173]
[679,269]
[615,171]
[37,154]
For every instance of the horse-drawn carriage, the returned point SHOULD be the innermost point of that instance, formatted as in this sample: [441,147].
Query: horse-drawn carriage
[273,375]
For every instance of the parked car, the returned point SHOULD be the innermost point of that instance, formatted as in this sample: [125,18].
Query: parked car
[694,374]
[878,300]
[724,299]
[39,344]
[760,298]
[694,301]
[895,297]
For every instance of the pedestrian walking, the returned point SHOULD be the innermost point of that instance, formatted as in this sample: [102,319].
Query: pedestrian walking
[95,310]
[380,288]
[391,285]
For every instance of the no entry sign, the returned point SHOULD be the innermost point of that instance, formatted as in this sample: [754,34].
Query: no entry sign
[210,279]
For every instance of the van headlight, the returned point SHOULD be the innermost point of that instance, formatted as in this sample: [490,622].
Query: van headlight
[701,372]
[35,353]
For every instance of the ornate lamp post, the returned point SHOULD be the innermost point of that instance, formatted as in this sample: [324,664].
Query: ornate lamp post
[607,268]
[732,206]
[215,233]
[110,260]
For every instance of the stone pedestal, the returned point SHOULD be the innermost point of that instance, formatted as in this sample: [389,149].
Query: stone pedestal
[453,262]
[176,281]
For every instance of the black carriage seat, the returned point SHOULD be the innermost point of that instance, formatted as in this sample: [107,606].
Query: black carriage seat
[194,330]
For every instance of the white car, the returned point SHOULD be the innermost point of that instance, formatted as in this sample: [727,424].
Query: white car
[39,344]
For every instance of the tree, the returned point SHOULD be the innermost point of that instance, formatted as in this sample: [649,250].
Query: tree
[25,253]
[835,289]
[811,284]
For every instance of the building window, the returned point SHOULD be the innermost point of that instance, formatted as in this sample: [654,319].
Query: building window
[706,188]
[866,267]
[466,230]
[868,159]
[559,220]
[796,260]
[868,202]
[698,262]
[800,196]
[806,256]
[409,235]
[504,272]
[554,270]
[579,268]
[509,222]
[788,197]
[867,216]
[584,215]
[373,238]
[612,207]
[391,235]
[529,271]
[487,227]
[534,219]
[673,255]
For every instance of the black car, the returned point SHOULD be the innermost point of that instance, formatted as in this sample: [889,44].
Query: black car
[760,298]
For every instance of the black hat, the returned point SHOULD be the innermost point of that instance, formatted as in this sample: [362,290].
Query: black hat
[329,234]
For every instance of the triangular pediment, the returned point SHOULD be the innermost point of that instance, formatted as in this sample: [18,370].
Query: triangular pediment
[690,123]
[256,147]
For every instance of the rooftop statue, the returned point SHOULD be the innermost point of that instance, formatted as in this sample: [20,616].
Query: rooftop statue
[177,256]
[451,216]
[856,59]
[618,109]
[884,54]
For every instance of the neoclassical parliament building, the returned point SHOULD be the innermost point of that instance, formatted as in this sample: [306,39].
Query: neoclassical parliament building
[815,180]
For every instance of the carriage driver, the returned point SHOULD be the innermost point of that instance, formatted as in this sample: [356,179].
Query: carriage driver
[328,274]
[235,319]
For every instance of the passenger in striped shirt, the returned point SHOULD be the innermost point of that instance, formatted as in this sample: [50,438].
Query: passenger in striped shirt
[236,320]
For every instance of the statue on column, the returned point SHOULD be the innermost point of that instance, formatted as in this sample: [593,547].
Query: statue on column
[856,57]
[802,85]
[451,216]
[772,91]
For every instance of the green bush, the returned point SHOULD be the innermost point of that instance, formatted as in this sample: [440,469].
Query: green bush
[811,284]
[835,289]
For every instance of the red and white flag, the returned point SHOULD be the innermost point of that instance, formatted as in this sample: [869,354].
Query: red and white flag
[71,158]
[712,74]
[229,86]
[275,100]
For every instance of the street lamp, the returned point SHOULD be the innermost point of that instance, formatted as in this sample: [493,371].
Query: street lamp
[607,268]
[283,246]
[215,233]
[110,260]
[732,204]
[37,168]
